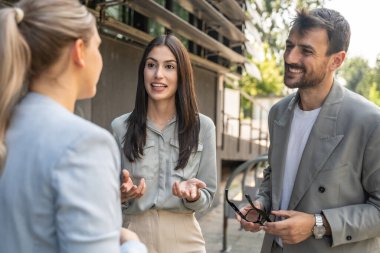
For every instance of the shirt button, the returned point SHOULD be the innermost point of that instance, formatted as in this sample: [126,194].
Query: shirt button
[348,237]
[321,189]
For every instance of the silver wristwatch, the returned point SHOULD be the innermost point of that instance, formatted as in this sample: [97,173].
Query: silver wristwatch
[319,229]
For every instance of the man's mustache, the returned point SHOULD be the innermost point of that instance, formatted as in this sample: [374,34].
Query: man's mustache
[295,66]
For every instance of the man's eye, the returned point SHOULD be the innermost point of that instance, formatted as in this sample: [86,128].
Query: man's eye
[307,52]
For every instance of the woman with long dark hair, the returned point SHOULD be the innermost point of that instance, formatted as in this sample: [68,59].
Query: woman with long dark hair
[169,151]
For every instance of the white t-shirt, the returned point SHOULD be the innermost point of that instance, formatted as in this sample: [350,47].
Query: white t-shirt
[302,124]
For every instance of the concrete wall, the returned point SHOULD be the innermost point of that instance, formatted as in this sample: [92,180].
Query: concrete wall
[117,85]
[206,85]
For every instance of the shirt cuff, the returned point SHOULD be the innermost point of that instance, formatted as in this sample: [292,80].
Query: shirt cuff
[198,205]
[133,246]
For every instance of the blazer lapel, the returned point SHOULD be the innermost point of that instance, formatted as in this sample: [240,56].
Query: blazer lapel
[320,145]
[281,130]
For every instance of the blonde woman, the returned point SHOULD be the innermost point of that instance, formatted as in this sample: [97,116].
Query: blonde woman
[169,151]
[59,188]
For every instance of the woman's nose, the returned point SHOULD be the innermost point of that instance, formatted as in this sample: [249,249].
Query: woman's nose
[158,73]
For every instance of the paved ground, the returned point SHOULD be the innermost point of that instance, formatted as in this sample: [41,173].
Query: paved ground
[240,241]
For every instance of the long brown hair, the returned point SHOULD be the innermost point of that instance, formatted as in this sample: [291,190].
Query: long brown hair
[185,103]
[33,35]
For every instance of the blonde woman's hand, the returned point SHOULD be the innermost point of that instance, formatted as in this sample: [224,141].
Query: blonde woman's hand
[129,190]
[127,235]
[189,189]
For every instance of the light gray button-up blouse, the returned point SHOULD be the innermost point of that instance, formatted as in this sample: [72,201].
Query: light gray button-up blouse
[157,166]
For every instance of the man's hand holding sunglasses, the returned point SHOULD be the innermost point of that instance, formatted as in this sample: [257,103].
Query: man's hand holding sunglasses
[252,216]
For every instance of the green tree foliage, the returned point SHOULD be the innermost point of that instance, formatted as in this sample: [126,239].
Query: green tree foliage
[377,72]
[362,78]
[271,78]
[354,71]
[273,18]
[270,84]
[272,23]
[374,94]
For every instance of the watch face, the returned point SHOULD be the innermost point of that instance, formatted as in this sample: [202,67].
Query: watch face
[319,231]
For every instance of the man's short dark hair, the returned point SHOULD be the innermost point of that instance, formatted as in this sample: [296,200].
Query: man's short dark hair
[337,27]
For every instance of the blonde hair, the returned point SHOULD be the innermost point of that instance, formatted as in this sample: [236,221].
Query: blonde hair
[33,36]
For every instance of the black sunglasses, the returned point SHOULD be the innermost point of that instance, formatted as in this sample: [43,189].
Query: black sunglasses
[254,214]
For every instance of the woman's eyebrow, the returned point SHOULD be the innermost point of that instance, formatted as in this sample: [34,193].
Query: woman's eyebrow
[155,60]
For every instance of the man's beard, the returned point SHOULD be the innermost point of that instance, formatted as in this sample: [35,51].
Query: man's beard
[306,80]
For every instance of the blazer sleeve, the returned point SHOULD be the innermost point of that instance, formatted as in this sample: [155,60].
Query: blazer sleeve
[360,222]
[87,200]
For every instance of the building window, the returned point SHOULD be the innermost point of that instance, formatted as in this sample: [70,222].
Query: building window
[154,28]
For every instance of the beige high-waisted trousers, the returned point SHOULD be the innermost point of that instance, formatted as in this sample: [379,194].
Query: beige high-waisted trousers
[167,232]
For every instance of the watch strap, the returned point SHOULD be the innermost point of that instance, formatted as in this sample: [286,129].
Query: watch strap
[319,229]
[318,220]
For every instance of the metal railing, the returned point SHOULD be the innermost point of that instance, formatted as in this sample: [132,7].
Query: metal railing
[252,127]
[258,132]
[249,176]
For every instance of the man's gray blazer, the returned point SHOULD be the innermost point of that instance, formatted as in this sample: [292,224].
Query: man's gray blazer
[338,175]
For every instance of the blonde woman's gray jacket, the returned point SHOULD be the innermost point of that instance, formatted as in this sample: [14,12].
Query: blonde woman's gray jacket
[59,191]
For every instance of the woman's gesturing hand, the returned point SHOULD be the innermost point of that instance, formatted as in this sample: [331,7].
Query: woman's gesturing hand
[129,190]
[189,189]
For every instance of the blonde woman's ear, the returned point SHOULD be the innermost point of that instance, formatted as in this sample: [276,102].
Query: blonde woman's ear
[77,53]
